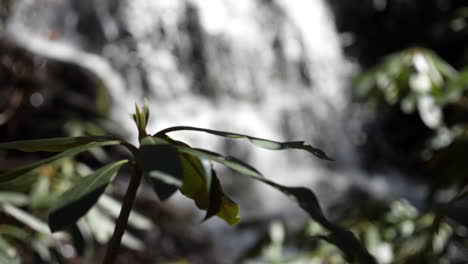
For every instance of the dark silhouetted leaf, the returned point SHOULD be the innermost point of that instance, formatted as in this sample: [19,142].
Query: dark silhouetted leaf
[343,239]
[53,144]
[76,201]
[160,161]
[260,142]
[216,197]
[12,174]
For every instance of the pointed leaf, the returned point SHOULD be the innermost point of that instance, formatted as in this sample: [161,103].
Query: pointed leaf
[216,196]
[342,238]
[76,201]
[201,184]
[12,174]
[260,142]
[25,218]
[53,144]
[15,198]
[214,200]
[159,162]
[227,161]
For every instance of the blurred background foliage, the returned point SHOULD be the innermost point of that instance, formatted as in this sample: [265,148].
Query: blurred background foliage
[413,78]
[420,99]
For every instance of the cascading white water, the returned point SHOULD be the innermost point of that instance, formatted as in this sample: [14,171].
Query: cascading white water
[272,69]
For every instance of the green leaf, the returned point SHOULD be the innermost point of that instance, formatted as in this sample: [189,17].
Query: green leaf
[25,218]
[76,201]
[159,162]
[260,142]
[53,144]
[14,232]
[213,200]
[342,238]
[15,198]
[21,183]
[8,253]
[227,161]
[12,174]
[201,184]
[141,118]
[113,207]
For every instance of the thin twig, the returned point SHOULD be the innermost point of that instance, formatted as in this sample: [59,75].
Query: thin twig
[114,244]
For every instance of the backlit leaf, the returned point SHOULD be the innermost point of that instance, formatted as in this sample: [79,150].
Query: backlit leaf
[53,144]
[260,142]
[12,174]
[76,201]
[342,238]
[201,184]
[160,162]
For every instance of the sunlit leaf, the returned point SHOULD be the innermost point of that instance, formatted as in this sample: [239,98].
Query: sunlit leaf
[113,208]
[11,174]
[160,163]
[25,218]
[13,198]
[260,142]
[76,201]
[201,184]
[53,144]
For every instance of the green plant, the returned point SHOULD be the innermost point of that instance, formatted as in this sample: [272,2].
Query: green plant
[169,165]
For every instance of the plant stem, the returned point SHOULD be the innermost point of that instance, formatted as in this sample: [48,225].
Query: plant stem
[114,244]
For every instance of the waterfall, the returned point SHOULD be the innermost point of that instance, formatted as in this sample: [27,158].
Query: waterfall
[267,68]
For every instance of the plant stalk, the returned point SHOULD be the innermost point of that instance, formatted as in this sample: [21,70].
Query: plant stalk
[121,224]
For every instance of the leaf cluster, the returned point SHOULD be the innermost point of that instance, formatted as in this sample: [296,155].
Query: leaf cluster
[171,165]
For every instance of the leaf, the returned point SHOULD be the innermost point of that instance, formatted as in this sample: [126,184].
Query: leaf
[342,238]
[201,184]
[214,200]
[113,208]
[204,188]
[25,218]
[14,198]
[159,162]
[14,232]
[75,202]
[227,161]
[21,183]
[12,174]
[53,144]
[8,253]
[260,142]
[141,118]
[220,204]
